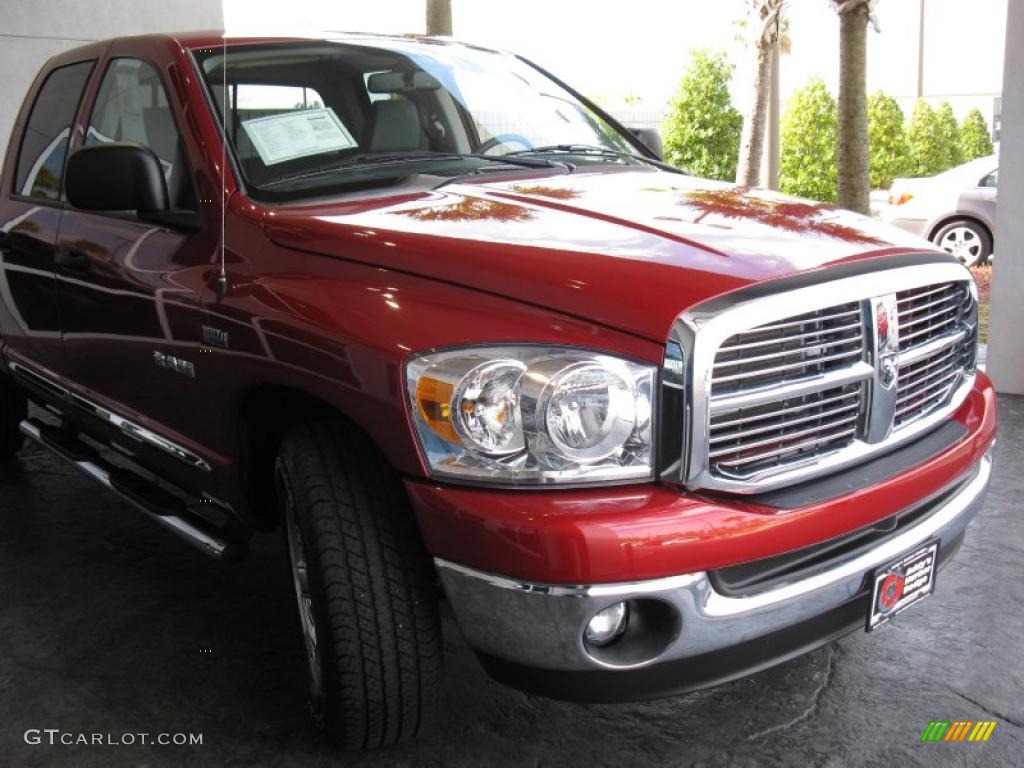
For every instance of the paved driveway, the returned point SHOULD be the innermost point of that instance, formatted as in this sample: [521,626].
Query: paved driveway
[109,625]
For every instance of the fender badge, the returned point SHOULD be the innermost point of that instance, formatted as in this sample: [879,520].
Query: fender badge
[215,337]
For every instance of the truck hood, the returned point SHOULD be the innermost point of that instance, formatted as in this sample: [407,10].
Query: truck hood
[629,249]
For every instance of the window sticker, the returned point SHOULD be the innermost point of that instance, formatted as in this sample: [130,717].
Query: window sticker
[297,134]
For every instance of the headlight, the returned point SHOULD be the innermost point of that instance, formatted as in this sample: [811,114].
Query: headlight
[532,414]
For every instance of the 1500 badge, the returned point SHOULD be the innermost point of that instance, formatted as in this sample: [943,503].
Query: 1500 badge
[176,364]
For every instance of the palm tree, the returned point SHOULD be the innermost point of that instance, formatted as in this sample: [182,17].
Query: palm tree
[768,15]
[852,153]
[439,17]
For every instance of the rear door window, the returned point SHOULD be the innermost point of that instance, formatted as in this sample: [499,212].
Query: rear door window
[45,142]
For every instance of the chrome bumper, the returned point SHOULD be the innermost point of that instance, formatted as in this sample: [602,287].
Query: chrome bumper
[542,626]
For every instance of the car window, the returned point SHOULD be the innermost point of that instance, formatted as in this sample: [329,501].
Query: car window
[45,143]
[990,180]
[132,105]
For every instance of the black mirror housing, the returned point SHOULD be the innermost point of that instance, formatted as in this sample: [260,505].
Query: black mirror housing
[650,138]
[116,176]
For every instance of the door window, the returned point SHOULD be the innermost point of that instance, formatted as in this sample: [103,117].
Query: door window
[132,105]
[45,143]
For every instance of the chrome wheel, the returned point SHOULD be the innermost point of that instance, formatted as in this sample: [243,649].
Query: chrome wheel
[964,244]
[304,597]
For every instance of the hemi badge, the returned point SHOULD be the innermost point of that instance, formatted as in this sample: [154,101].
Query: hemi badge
[215,337]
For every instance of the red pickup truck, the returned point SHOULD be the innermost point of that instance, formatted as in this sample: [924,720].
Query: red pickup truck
[465,338]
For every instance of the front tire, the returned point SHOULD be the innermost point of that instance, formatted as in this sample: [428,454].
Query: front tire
[13,410]
[967,240]
[365,587]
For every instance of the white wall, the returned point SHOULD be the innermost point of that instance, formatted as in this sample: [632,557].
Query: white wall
[301,17]
[34,30]
[1006,345]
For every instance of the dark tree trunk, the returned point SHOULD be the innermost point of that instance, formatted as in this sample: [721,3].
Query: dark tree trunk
[439,17]
[852,157]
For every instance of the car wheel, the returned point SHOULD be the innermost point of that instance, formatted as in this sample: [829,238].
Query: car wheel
[967,240]
[365,587]
[13,409]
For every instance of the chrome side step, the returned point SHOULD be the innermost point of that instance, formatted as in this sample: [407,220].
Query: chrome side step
[167,510]
[132,430]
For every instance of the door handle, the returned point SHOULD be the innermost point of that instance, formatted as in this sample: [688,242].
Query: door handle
[69,258]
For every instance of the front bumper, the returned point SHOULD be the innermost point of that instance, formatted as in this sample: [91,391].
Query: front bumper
[530,635]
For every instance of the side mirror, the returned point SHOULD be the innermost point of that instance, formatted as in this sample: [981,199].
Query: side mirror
[116,176]
[650,138]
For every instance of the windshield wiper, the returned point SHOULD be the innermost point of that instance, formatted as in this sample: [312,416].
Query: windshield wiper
[500,160]
[590,149]
[399,158]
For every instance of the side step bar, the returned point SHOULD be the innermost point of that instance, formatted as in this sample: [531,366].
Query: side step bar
[165,509]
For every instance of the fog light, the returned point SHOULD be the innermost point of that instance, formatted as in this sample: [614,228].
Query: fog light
[608,625]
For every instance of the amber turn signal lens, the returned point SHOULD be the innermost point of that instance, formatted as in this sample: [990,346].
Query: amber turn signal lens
[906,197]
[434,399]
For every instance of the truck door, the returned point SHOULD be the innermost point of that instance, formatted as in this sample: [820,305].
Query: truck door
[30,215]
[131,290]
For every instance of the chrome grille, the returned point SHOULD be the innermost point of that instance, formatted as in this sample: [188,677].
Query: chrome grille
[748,439]
[929,317]
[780,397]
[763,436]
[930,312]
[794,348]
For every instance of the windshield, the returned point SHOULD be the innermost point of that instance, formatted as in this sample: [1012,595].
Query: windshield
[304,116]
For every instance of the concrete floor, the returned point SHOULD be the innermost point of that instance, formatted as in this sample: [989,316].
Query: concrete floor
[109,625]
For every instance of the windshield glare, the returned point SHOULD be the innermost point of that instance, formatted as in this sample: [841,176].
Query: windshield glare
[296,112]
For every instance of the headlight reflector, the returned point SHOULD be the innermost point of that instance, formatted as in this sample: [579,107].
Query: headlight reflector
[486,405]
[532,414]
[589,411]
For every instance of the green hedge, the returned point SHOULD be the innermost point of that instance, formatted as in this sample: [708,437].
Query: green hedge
[807,166]
[702,129]
[929,143]
[887,140]
[975,139]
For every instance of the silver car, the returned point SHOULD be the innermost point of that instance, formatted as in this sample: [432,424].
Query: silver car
[956,209]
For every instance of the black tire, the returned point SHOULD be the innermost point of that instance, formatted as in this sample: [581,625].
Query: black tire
[966,239]
[13,410]
[372,588]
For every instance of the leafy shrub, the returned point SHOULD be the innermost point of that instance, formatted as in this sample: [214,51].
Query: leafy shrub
[702,128]
[975,139]
[925,138]
[950,133]
[887,140]
[807,166]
